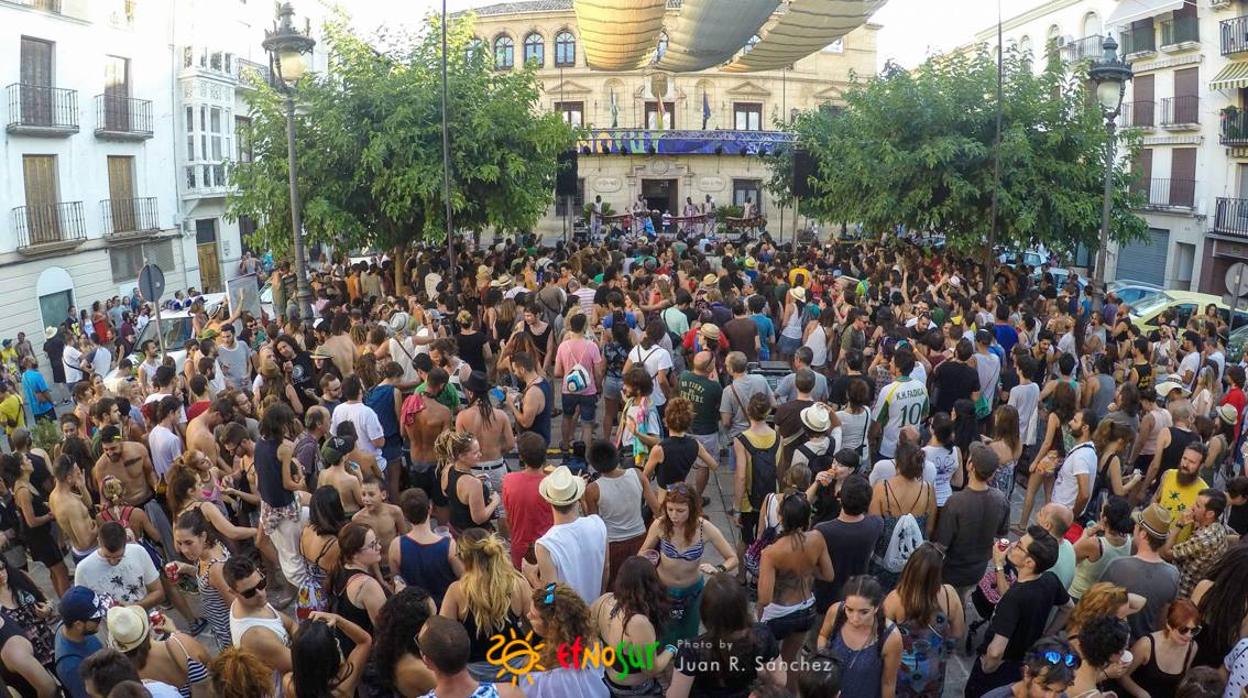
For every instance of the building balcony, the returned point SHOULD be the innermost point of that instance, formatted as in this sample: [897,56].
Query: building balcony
[1138,114]
[206,180]
[1180,34]
[37,110]
[1080,49]
[624,141]
[1167,194]
[1233,129]
[1234,35]
[1140,42]
[1231,217]
[49,228]
[1180,113]
[245,70]
[122,118]
[129,218]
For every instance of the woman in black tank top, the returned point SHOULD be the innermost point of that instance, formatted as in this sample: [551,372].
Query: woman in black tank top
[354,593]
[672,459]
[472,505]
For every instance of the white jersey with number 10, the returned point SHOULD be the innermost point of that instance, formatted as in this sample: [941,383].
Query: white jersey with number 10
[902,403]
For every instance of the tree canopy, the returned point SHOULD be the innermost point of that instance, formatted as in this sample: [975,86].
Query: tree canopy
[916,149]
[369,144]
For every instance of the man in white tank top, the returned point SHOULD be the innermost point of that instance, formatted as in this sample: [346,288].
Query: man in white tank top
[574,550]
[255,625]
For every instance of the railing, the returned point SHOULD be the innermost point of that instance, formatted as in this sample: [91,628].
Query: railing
[1234,128]
[1139,114]
[1234,35]
[244,67]
[42,107]
[1079,49]
[1184,109]
[1232,217]
[49,223]
[45,5]
[1167,193]
[1137,40]
[123,115]
[129,215]
[1179,30]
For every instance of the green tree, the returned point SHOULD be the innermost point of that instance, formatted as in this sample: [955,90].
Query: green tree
[916,148]
[369,143]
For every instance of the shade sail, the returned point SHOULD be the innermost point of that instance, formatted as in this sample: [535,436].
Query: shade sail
[1130,10]
[702,36]
[1233,76]
[619,34]
[807,26]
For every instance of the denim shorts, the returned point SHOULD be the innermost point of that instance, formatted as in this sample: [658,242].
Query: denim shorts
[789,345]
[587,405]
[612,388]
[798,621]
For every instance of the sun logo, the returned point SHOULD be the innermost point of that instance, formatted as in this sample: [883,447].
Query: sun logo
[515,655]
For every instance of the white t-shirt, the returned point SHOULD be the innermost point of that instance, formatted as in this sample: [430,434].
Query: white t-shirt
[1080,461]
[1191,362]
[1025,399]
[166,446]
[655,359]
[72,358]
[901,403]
[945,463]
[126,582]
[102,361]
[367,427]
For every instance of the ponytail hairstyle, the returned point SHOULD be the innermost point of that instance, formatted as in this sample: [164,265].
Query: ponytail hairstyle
[488,581]
[450,445]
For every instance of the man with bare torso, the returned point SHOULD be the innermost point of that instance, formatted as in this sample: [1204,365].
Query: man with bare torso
[130,463]
[423,418]
[71,506]
[199,432]
[339,475]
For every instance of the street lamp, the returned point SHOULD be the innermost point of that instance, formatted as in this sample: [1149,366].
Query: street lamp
[287,50]
[1110,75]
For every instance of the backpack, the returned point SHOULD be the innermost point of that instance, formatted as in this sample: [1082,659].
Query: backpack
[817,463]
[753,557]
[762,471]
[907,537]
[576,379]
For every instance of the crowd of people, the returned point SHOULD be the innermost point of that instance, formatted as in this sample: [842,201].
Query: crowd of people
[528,447]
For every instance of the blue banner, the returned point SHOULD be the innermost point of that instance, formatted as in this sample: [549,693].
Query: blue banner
[646,142]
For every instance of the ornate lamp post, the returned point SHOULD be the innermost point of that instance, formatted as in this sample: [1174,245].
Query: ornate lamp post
[1110,74]
[287,56]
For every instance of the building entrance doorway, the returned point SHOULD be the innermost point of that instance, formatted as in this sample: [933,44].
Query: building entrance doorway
[661,195]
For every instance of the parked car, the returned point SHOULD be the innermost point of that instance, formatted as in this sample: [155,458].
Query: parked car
[1185,304]
[1134,292]
[175,327]
[1235,343]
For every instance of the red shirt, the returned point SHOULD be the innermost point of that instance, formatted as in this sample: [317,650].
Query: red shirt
[1235,396]
[197,408]
[528,514]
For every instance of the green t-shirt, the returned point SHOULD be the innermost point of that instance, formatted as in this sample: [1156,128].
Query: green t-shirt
[705,394]
[449,397]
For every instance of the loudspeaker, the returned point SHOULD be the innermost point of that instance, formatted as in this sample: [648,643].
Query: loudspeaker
[803,170]
[565,178]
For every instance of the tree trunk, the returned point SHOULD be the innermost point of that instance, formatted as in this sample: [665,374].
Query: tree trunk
[400,270]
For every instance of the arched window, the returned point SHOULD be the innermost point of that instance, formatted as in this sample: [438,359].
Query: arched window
[1091,24]
[534,50]
[1024,46]
[565,49]
[504,53]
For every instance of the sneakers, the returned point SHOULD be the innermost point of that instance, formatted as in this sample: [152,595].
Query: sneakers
[199,626]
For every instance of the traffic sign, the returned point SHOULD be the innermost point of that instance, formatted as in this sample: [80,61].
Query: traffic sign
[1237,279]
[152,283]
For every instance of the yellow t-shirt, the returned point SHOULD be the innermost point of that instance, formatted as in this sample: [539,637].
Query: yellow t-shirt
[1178,499]
[12,415]
[760,442]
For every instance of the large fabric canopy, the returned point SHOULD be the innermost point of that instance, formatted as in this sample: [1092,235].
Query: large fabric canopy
[1130,10]
[619,35]
[702,35]
[807,26]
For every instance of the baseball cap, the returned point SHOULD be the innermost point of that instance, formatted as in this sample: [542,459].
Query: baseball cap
[80,603]
[335,448]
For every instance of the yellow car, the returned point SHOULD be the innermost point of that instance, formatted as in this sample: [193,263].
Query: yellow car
[1185,304]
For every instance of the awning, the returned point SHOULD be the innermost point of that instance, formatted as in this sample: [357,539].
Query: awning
[699,38]
[1130,10]
[618,35]
[1232,76]
[807,26]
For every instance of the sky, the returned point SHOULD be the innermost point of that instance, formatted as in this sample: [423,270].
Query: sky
[911,28]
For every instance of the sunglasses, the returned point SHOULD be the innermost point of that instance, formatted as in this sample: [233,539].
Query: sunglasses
[260,585]
[1057,658]
[681,487]
[1190,630]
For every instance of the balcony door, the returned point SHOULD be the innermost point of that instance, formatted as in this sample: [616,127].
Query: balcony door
[1142,107]
[43,222]
[1183,177]
[117,93]
[36,80]
[121,193]
[1186,96]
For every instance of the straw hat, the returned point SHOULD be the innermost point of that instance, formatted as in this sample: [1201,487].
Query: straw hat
[503,281]
[49,332]
[398,321]
[710,280]
[319,353]
[799,293]
[816,418]
[1155,519]
[561,487]
[128,627]
[1228,414]
[1164,389]
[709,330]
